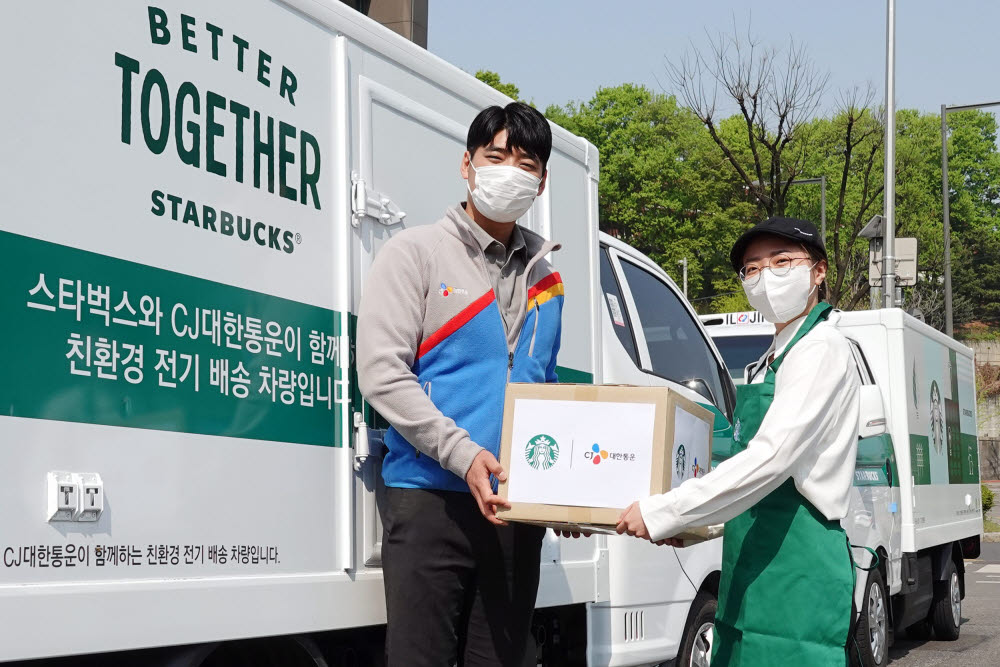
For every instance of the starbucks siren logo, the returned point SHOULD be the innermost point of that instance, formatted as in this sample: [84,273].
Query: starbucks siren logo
[542,452]
[681,462]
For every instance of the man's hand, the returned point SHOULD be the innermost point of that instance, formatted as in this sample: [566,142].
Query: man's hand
[478,479]
[670,542]
[572,533]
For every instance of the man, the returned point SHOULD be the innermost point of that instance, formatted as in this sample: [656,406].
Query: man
[451,313]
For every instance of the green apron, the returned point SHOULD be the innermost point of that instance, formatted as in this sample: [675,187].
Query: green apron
[787,574]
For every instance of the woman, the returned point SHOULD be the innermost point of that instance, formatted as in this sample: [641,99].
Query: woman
[787,574]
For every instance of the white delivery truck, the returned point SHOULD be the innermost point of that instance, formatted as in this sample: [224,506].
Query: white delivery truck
[192,194]
[916,500]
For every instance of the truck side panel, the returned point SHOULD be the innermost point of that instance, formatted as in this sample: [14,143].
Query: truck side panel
[172,258]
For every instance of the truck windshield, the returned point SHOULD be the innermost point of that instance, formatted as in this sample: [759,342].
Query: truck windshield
[740,351]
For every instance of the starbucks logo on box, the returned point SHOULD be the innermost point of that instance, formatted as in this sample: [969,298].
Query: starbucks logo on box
[542,452]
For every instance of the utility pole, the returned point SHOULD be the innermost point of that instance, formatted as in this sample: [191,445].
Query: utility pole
[684,263]
[889,228]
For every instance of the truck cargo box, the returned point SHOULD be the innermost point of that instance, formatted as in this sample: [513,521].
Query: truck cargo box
[928,381]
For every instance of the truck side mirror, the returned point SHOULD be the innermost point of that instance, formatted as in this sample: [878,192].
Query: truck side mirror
[871,421]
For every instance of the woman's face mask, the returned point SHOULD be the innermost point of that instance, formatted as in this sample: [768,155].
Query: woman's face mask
[503,193]
[782,298]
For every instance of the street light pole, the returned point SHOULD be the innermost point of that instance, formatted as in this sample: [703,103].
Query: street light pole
[822,197]
[946,205]
[889,225]
[946,214]
[684,263]
[822,205]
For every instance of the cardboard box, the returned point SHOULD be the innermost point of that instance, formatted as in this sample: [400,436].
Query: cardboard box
[577,455]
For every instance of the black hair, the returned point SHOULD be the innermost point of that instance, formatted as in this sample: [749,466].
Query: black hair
[526,128]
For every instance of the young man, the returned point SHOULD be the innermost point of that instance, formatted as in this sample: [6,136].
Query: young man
[451,313]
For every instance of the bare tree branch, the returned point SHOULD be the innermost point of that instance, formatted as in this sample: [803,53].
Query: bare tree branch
[775,92]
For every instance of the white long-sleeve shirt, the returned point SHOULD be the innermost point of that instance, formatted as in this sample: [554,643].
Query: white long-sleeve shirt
[810,433]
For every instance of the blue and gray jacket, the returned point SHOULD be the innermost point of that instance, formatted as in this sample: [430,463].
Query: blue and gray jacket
[434,357]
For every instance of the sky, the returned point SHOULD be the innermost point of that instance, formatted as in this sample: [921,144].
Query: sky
[557,51]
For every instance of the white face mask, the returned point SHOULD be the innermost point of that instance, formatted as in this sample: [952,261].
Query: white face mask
[781,298]
[503,193]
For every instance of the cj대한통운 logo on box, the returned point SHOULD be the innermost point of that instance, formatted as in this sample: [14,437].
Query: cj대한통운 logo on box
[596,454]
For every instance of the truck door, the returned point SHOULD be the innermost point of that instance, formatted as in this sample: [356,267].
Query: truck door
[407,137]
[873,518]
[657,340]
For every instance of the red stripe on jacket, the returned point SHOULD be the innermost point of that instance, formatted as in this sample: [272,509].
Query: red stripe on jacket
[543,284]
[456,323]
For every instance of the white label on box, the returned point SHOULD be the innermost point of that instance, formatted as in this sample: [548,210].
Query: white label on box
[691,453]
[581,453]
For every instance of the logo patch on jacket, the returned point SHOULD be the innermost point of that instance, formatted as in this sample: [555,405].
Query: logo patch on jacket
[447,290]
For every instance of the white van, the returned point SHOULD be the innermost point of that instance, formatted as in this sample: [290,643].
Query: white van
[916,500]
[741,339]
[192,195]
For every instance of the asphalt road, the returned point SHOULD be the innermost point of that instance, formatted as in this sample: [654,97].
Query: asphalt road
[979,643]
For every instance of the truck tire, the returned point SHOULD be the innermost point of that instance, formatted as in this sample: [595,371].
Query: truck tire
[871,637]
[696,645]
[946,612]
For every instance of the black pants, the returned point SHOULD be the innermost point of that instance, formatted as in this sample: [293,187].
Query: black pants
[458,590]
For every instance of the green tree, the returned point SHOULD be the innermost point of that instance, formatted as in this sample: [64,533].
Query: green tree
[974,180]
[492,79]
[660,187]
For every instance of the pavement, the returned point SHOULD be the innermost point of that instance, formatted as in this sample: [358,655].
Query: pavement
[979,642]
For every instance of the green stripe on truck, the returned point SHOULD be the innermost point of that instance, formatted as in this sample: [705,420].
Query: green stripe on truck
[94,339]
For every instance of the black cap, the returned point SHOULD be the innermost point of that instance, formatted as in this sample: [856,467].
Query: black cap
[800,231]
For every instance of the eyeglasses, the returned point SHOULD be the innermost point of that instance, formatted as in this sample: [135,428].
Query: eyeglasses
[779,265]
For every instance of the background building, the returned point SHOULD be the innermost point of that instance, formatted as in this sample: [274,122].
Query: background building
[406,17]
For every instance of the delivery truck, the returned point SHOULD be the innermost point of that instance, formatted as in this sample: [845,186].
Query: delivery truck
[916,501]
[192,195]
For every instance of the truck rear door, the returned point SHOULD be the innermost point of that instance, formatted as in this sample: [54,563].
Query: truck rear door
[407,138]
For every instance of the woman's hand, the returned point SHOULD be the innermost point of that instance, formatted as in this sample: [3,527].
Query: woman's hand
[631,522]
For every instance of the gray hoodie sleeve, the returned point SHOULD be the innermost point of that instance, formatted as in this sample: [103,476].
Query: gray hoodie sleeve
[390,324]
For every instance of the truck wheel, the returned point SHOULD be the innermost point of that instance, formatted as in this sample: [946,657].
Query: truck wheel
[872,634]
[946,612]
[696,645]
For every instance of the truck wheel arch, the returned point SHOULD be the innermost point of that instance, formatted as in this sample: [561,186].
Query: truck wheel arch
[711,583]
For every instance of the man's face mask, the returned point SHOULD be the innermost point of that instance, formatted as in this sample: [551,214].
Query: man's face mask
[503,193]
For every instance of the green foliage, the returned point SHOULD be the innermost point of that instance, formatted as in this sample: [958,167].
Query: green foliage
[661,188]
[492,79]
[987,498]
[667,189]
